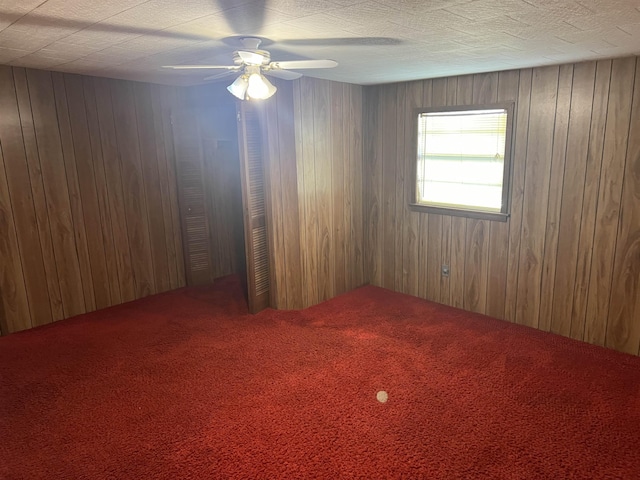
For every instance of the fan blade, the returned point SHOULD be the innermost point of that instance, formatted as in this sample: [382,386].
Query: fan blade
[300,64]
[47,21]
[341,41]
[219,75]
[250,58]
[202,67]
[283,74]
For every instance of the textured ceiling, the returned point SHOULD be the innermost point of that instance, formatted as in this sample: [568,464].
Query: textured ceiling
[374,41]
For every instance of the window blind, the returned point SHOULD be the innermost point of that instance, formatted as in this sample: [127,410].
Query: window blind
[461,158]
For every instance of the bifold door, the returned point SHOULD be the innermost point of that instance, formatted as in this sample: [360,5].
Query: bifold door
[253,199]
[191,191]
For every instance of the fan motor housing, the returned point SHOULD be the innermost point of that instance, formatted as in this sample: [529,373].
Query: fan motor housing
[266,56]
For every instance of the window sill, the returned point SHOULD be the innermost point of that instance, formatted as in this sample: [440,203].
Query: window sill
[495,217]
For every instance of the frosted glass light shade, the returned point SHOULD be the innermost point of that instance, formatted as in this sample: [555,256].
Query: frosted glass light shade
[239,87]
[259,87]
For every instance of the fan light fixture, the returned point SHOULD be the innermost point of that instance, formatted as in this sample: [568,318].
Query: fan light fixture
[239,87]
[260,87]
[252,84]
[252,63]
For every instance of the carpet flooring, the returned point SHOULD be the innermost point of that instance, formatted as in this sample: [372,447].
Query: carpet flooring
[187,385]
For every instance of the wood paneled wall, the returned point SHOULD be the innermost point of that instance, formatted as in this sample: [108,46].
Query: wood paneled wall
[89,214]
[88,207]
[313,131]
[568,258]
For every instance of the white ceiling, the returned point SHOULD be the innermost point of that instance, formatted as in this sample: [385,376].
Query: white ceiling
[374,41]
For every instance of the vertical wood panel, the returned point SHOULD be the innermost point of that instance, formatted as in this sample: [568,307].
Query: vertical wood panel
[590,198]
[499,231]
[457,264]
[124,112]
[544,93]
[400,198]
[21,208]
[521,136]
[288,175]
[164,180]
[445,259]
[37,189]
[411,219]
[350,217]
[388,201]
[47,131]
[323,187]
[338,197]
[373,182]
[102,189]
[168,100]
[572,191]
[434,256]
[88,197]
[476,253]
[558,156]
[623,328]
[73,185]
[4,327]
[15,311]
[152,187]
[609,197]
[299,142]
[306,165]
[357,161]
[113,178]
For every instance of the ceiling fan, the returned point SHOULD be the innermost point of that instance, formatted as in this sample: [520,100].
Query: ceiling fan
[253,64]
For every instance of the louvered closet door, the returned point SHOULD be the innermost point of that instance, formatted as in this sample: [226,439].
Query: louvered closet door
[193,210]
[253,201]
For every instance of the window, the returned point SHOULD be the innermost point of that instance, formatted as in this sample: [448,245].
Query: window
[463,162]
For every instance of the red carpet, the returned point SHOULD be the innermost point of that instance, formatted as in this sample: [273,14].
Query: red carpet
[187,385]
